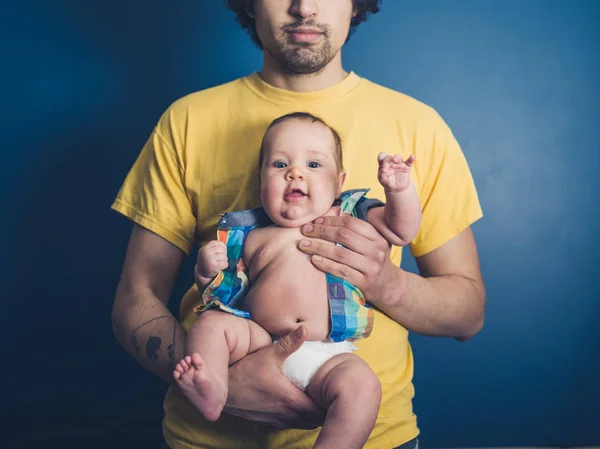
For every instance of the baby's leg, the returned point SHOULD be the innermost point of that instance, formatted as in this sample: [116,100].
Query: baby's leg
[215,341]
[351,393]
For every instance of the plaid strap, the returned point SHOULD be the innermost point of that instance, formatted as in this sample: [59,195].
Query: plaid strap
[351,316]
[227,291]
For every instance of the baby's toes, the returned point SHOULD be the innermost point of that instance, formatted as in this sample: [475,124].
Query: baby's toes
[178,372]
[197,361]
[184,365]
[180,368]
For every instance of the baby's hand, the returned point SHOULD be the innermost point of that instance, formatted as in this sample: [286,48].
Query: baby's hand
[212,258]
[394,173]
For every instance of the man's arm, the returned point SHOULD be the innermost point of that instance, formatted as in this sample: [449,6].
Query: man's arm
[447,299]
[258,389]
[141,321]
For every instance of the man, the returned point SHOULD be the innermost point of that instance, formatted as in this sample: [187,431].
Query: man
[200,162]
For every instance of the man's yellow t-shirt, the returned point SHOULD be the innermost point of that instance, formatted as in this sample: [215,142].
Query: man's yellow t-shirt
[201,161]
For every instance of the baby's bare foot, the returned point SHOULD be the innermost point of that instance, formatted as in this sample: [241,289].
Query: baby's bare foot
[200,387]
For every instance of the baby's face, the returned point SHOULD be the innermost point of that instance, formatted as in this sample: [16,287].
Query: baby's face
[299,177]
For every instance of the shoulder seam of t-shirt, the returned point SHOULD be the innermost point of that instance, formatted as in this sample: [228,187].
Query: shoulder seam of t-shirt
[184,242]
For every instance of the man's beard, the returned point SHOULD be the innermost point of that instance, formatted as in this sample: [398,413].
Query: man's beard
[303,59]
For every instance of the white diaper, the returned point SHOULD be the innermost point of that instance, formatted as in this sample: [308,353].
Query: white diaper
[302,365]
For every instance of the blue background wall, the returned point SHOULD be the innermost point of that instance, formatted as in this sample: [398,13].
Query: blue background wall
[83,83]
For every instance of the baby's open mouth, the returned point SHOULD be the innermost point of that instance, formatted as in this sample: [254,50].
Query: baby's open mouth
[294,193]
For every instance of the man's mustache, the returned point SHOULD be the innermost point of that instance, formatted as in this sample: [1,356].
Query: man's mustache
[306,24]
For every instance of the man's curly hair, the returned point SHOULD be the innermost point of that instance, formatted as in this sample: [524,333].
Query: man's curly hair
[240,7]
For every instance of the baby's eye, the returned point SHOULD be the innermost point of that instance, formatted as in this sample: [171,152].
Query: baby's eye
[313,165]
[279,164]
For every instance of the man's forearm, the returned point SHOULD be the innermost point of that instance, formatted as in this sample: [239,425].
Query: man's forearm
[150,333]
[440,306]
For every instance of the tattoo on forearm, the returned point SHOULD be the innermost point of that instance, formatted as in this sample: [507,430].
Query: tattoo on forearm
[154,348]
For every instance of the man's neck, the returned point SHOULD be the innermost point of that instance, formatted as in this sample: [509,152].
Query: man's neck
[333,73]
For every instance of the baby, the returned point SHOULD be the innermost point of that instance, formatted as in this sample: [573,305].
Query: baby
[301,177]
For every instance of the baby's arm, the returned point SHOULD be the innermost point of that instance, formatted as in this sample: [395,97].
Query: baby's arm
[212,258]
[400,219]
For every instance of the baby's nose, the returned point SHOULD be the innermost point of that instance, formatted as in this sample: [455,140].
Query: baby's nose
[294,174]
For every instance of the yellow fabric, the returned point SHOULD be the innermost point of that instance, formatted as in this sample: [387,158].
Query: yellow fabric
[200,161]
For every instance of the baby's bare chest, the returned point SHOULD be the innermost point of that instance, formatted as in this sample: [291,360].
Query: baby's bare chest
[276,248]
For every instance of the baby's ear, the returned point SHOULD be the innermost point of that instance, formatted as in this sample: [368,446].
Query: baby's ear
[342,180]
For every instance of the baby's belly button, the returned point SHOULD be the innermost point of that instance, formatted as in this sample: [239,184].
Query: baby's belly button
[278,321]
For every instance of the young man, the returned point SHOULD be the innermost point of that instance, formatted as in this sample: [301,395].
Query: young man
[201,162]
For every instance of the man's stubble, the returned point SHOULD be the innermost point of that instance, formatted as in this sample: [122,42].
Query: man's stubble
[302,59]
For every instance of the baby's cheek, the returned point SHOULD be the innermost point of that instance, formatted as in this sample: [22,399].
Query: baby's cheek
[266,194]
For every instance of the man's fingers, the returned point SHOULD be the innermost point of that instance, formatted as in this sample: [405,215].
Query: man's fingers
[339,270]
[299,411]
[352,248]
[310,415]
[336,260]
[344,229]
[291,342]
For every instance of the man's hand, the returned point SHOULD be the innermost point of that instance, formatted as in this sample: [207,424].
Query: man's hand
[259,391]
[363,260]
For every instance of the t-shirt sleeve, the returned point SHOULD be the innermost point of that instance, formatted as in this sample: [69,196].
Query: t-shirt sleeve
[446,188]
[154,194]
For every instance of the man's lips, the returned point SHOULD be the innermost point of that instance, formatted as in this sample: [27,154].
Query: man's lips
[304,34]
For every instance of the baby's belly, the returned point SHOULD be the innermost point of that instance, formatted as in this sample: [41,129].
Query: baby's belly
[287,295]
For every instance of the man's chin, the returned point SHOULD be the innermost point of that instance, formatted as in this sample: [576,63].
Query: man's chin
[301,69]
[302,61]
